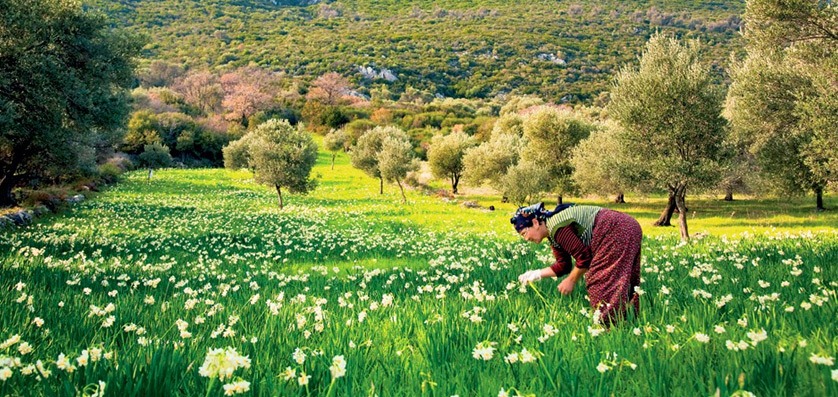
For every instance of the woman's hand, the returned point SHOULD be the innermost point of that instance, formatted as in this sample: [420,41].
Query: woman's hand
[567,285]
[530,276]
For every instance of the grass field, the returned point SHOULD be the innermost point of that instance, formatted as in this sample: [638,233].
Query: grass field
[197,284]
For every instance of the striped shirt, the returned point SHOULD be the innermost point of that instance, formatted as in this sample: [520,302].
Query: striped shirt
[580,216]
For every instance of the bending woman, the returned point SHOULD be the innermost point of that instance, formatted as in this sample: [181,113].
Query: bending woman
[604,243]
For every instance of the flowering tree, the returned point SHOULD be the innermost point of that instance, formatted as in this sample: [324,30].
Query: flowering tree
[201,89]
[328,89]
[246,91]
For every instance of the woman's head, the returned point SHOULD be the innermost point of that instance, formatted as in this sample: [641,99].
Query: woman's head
[524,216]
[534,216]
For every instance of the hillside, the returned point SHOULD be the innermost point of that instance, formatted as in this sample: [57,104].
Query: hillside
[562,51]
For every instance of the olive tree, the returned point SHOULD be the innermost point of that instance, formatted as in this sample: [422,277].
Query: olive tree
[364,155]
[523,183]
[551,134]
[601,165]
[155,156]
[670,111]
[335,141]
[489,162]
[64,75]
[278,154]
[445,156]
[396,159]
[782,104]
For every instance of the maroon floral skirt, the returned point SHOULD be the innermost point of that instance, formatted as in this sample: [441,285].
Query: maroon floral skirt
[615,266]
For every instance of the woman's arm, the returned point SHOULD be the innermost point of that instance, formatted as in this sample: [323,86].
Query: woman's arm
[572,244]
[563,262]
[547,272]
[567,285]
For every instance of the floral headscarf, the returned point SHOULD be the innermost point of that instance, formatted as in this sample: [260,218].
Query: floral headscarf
[524,215]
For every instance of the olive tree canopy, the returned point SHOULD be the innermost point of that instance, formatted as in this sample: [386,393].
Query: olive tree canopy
[279,155]
[670,112]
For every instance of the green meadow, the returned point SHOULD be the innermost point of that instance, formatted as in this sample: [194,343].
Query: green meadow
[195,283]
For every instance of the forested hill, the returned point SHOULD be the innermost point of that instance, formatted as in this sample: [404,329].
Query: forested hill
[560,50]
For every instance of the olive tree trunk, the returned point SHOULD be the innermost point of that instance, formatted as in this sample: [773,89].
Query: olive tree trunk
[728,194]
[680,202]
[279,193]
[620,199]
[819,198]
[666,215]
[455,180]
[404,198]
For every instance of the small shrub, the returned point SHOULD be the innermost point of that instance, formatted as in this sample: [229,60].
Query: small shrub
[109,173]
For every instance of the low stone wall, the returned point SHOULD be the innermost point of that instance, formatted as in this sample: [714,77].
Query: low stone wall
[27,216]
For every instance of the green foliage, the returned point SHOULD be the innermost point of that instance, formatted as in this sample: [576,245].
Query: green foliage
[396,159]
[781,102]
[510,123]
[760,107]
[603,166]
[143,129]
[670,111]
[456,48]
[490,161]
[109,173]
[523,183]
[155,156]
[63,78]
[551,135]
[445,156]
[365,154]
[518,103]
[278,154]
[355,128]
[322,117]
[335,141]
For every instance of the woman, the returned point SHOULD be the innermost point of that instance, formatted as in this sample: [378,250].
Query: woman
[605,244]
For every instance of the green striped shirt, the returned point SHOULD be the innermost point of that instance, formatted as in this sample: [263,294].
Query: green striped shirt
[580,216]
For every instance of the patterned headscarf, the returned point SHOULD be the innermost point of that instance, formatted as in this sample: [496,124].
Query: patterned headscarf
[524,215]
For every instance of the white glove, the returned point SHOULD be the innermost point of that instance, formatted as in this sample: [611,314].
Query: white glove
[530,276]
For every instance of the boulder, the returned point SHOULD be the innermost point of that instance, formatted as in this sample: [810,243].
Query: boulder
[41,210]
[76,199]
[471,204]
[20,218]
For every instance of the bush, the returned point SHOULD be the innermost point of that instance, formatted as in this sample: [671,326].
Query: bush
[52,197]
[109,173]
[121,161]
